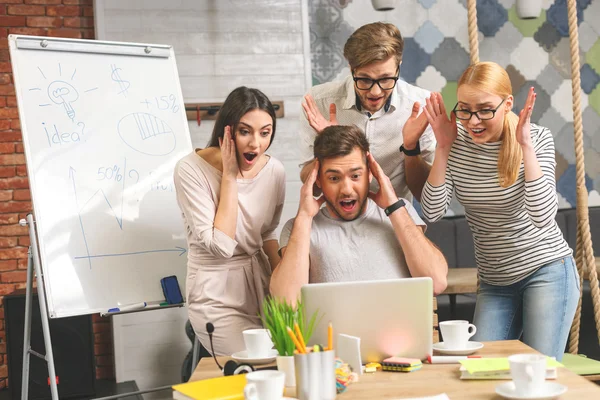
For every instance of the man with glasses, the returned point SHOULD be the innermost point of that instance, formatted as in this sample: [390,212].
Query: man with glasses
[385,107]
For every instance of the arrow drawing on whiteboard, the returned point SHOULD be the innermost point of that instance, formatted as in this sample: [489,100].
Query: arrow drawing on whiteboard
[177,249]
[88,256]
[72,177]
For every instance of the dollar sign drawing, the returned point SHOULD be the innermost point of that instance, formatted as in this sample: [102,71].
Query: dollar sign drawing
[123,84]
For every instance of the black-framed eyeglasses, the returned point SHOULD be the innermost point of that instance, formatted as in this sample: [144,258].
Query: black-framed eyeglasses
[483,115]
[384,83]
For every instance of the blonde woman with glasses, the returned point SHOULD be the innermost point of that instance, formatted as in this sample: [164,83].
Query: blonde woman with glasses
[501,167]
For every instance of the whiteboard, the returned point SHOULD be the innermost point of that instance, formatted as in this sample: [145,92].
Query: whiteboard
[103,126]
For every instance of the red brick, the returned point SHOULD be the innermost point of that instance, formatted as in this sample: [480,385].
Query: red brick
[101,349]
[12,20]
[1,312]
[13,276]
[15,124]
[8,113]
[8,172]
[8,219]
[62,11]
[88,33]
[68,33]
[11,101]
[10,136]
[13,253]
[5,67]
[105,372]
[18,182]
[21,194]
[4,124]
[3,101]
[6,195]
[22,263]
[3,371]
[4,55]
[4,43]
[44,22]
[27,31]
[12,1]
[82,2]
[100,327]
[12,159]
[13,230]
[88,11]
[26,10]
[24,241]
[21,170]
[7,148]
[7,265]
[3,32]
[102,337]
[6,288]
[5,79]
[8,242]
[43,1]
[15,206]
[104,361]
[3,347]
[19,148]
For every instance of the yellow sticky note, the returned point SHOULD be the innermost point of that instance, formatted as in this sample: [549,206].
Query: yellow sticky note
[475,365]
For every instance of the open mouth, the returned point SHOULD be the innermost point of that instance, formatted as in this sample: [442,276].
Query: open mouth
[478,132]
[250,157]
[348,205]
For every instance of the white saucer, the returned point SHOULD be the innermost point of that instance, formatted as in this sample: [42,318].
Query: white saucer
[242,357]
[471,348]
[550,390]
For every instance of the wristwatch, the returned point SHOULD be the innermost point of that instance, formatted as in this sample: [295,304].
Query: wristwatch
[414,152]
[400,203]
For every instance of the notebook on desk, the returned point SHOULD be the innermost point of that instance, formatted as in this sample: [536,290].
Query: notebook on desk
[222,388]
[392,317]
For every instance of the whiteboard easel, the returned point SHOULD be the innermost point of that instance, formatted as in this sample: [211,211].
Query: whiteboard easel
[103,125]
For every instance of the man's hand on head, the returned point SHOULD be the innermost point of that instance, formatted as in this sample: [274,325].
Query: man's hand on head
[386,196]
[309,206]
[314,117]
[414,127]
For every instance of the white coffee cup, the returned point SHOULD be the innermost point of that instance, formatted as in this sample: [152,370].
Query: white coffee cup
[264,385]
[258,342]
[456,333]
[528,372]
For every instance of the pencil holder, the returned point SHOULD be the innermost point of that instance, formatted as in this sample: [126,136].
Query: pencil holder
[315,375]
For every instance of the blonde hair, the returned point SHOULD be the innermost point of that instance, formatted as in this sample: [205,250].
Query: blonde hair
[491,78]
[372,43]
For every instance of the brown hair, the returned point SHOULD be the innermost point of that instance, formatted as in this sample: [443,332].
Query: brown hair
[491,78]
[372,43]
[240,101]
[338,141]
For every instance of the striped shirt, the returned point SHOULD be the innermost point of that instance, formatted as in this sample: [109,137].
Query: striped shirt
[514,230]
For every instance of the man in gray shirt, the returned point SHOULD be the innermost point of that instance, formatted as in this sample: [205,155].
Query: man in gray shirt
[358,235]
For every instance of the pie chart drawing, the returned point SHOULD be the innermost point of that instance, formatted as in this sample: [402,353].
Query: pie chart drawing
[147,134]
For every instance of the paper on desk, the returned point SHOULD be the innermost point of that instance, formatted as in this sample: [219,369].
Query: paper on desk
[442,396]
[475,365]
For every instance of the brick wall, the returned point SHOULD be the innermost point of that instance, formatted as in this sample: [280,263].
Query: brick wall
[60,18]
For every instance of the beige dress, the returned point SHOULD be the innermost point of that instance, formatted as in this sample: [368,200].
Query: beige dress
[227,279]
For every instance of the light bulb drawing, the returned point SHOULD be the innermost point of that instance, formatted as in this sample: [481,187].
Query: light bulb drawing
[61,92]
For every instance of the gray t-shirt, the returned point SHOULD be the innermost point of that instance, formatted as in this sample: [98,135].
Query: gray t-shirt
[359,250]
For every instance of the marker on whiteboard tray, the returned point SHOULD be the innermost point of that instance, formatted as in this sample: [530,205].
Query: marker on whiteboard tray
[130,307]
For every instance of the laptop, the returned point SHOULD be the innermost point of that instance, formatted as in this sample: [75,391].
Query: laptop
[391,317]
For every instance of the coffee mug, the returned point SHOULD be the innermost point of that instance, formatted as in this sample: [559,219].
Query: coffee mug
[258,342]
[528,372]
[456,333]
[264,385]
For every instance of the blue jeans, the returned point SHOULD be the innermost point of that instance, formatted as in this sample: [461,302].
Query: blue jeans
[541,307]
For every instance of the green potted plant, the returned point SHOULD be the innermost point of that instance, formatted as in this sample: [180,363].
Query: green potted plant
[278,315]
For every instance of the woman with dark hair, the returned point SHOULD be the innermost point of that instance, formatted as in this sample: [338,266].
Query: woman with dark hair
[231,196]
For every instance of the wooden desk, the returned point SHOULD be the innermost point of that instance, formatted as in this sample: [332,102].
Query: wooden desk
[461,281]
[436,379]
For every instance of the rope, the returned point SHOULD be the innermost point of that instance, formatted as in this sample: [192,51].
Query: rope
[584,252]
[473,31]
